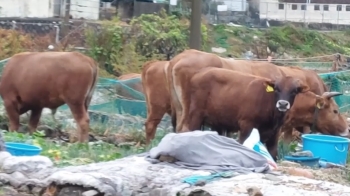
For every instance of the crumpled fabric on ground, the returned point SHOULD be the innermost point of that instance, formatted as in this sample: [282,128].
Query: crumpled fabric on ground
[206,150]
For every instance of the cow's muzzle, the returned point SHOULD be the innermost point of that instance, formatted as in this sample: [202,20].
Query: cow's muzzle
[283,105]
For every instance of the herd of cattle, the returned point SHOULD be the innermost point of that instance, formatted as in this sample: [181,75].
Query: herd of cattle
[198,88]
[195,88]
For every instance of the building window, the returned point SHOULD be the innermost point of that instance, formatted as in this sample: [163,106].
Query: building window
[325,7]
[347,8]
[339,7]
[294,6]
[303,7]
[317,7]
[281,6]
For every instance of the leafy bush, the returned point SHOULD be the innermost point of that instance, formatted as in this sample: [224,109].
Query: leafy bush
[13,42]
[123,49]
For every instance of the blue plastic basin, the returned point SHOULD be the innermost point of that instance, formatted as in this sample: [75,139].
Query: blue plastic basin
[21,149]
[332,149]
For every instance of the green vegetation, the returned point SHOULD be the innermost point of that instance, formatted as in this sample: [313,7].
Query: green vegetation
[64,153]
[293,40]
[121,50]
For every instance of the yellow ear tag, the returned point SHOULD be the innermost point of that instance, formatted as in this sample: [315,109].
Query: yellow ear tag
[318,105]
[269,89]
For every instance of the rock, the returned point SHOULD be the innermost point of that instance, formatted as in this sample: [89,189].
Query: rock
[300,172]
[71,191]
[36,191]
[305,153]
[289,164]
[90,193]
[200,183]
[3,156]
[254,191]
[272,177]
[199,192]
[218,50]
[168,159]
[9,191]
[26,164]
[24,189]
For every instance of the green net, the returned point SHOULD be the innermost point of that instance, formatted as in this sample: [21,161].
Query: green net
[340,82]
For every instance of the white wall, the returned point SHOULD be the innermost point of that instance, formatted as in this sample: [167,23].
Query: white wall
[26,8]
[236,5]
[272,11]
[87,9]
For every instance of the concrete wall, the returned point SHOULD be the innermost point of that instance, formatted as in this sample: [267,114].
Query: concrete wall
[26,8]
[87,9]
[308,13]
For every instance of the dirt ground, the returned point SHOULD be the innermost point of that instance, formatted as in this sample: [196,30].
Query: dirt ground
[336,175]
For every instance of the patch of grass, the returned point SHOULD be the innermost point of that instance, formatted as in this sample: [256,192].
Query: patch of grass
[64,154]
[293,40]
[285,150]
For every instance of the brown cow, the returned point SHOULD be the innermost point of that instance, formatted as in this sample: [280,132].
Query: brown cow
[156,94]
[36,80]
[132,81]
[239,101]
[317,86]
[183,66]
[322,112]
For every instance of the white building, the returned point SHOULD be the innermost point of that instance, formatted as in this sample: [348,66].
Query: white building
[87,9]
[305,12]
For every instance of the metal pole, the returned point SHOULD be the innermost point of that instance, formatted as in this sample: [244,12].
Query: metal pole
[195,27]
[66,18]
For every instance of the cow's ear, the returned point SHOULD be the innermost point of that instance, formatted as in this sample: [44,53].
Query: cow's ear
[303,88]
[270,85]
[320,102]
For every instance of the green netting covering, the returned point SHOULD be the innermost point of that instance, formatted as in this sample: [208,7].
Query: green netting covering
[121,97]
[340,82]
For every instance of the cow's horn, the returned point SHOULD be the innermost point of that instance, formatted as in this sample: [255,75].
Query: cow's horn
[331,94]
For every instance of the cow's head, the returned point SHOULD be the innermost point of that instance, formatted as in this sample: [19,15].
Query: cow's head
[285,89]
[318,112]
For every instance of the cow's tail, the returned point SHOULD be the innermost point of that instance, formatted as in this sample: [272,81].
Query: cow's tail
[93,85]
[169,86]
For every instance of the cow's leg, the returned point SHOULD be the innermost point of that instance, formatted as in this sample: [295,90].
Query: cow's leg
[195,121]
[13,115]
[306,130]
[34,119]
[81,116]
[245,131]
[287,134]
[195,117]
[272,144]
[173,119]
[53,113]
[154,117]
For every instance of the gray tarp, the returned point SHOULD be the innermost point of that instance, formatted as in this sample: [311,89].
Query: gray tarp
[206,150]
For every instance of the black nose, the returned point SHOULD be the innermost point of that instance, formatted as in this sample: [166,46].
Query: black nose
[283,104]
